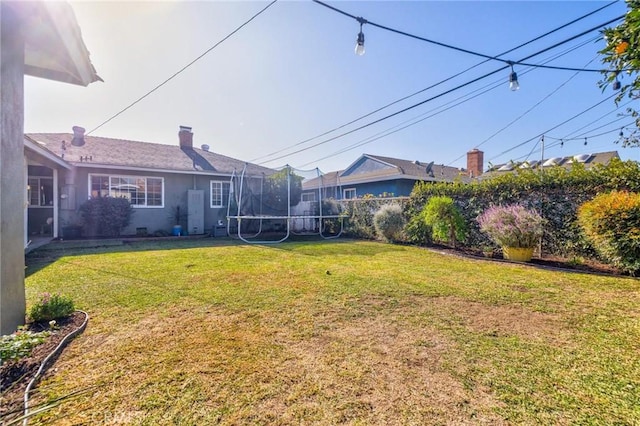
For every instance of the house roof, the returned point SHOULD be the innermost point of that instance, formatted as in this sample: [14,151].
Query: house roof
[588,160]
[101,152]
[53,42]
[421,170]
[376,168]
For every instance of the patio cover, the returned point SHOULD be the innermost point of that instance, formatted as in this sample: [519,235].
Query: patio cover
[54,48]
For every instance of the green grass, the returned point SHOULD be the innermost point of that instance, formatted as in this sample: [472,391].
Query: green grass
[338,332]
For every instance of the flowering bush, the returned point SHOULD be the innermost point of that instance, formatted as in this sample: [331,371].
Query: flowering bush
[512,226]
[50,307]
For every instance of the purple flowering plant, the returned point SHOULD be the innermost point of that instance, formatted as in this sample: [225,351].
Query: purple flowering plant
[512,226]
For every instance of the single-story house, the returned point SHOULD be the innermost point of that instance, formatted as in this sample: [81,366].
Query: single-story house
[64,170]
[380,177]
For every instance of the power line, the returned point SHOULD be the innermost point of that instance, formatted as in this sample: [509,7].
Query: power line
[448,46]
[554,127]
[183,68]
[422,117]
[437,96]
[436,84]
[523,114]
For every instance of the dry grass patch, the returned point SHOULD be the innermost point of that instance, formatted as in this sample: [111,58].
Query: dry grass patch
[505,320]
[393,335]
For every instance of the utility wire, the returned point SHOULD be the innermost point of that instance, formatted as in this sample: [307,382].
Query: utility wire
[436,84]
[184,68]
[448,46]
[559,141]
[422,117]
[515,120]
[437,96]
[555,127]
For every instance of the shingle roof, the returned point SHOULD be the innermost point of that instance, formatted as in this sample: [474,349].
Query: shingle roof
[421,169]
[104,152]
[588,160]
[401,169]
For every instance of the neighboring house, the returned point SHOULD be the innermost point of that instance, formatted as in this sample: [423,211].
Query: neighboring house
[380,177]
[587,160]
[64,170]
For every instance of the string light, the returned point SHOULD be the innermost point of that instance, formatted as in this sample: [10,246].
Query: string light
[585,141]
[513,79]
[616,84]
[360,40]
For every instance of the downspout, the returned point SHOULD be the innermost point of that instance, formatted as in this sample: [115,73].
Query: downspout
[56,203]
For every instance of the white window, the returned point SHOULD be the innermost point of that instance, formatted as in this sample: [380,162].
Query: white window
[349,193]
[40,191]
[219,193]
[139,190]
[309,196]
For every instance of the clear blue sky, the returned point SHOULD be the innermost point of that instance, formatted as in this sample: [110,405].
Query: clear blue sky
[292,74]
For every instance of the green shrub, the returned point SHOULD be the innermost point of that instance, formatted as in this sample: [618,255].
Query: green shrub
[389,222]
[445,220]
[50,307]
[417,231]
[612,223]
[19,344]
[106,216]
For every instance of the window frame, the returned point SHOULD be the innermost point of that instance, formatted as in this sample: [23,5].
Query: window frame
[110,177]
[349,190]
[305,195]
[40,192]
[222,184]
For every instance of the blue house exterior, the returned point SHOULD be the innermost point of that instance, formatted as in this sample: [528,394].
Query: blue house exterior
[380,177]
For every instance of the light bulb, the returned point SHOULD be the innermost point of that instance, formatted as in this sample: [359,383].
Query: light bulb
[360,44]
[513,81]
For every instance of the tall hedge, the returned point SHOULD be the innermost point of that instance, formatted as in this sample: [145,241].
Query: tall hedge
[555,193]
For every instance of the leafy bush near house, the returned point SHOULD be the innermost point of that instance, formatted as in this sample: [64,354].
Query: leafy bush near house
[106,216]
[19,344]
[512,226]
[445,220]
[612,223]
[50,307]
[389,222]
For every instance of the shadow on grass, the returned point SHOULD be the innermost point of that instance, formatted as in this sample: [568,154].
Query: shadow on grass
[304,245]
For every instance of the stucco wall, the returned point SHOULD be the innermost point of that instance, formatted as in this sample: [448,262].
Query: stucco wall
[151,218]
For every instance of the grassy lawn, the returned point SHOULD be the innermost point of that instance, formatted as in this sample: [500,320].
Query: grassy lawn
[338,332]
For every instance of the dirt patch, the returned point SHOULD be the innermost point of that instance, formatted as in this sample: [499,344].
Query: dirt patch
[506,320]
[16,375]
[383,370]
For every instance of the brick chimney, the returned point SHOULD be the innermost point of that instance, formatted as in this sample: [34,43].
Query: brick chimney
[186,137]
[475,162]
